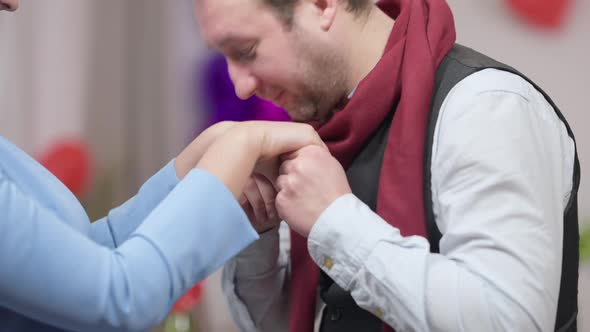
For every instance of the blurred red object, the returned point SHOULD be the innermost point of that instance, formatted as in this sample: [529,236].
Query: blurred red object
[546,13]
[189,300]
[70,162]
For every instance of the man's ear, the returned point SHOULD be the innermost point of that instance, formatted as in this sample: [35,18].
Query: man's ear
[328,10]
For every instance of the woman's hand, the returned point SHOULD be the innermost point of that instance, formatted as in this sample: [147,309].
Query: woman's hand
[276,138]
[190,156]
[233,155]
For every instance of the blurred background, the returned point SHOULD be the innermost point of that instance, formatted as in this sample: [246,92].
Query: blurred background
[117,88]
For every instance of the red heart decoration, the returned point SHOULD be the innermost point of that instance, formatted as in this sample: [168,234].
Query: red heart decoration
[189,300]
[546,13]
[70,162]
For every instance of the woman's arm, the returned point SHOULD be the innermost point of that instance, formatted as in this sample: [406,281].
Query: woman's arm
[55,274]
[121,222]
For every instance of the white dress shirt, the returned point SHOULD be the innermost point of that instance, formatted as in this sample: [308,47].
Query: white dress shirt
[502,165]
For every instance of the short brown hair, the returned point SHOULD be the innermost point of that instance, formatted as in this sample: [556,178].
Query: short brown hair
[285,8]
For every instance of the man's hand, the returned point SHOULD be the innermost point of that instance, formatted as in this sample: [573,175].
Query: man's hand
[310,179]
[258,201]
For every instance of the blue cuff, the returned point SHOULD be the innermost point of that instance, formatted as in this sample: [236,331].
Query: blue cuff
[205,226]
[125,219]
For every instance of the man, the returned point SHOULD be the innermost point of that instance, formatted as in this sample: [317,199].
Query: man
[433,137]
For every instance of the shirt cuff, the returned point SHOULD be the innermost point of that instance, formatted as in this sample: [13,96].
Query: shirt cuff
[199,226]
[125,219]
[344,236]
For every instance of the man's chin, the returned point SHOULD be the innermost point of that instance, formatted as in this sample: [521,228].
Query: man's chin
[303,116]
[304,119]
[314,113]
[315,122]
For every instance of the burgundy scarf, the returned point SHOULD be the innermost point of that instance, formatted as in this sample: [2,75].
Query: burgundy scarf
[422,35]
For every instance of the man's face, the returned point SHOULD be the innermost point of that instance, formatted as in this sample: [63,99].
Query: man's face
[10,5]
[293,67]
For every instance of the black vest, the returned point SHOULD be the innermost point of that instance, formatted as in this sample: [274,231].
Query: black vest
[341,313]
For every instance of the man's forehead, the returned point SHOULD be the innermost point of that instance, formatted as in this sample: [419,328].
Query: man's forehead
[217,7]
[224,21]
[214,12]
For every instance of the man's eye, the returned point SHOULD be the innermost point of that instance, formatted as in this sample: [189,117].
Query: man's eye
[247,54]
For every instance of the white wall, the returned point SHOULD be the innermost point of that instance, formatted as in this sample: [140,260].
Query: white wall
[44,54]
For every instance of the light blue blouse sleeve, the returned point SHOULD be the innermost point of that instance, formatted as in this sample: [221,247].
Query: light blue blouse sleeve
[53,273]
[116,227]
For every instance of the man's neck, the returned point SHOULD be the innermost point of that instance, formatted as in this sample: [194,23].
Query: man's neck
[367,45]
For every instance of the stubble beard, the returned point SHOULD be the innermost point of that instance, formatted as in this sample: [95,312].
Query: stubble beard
[323,76]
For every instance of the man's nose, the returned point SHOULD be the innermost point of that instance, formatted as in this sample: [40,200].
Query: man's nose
[245,83]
